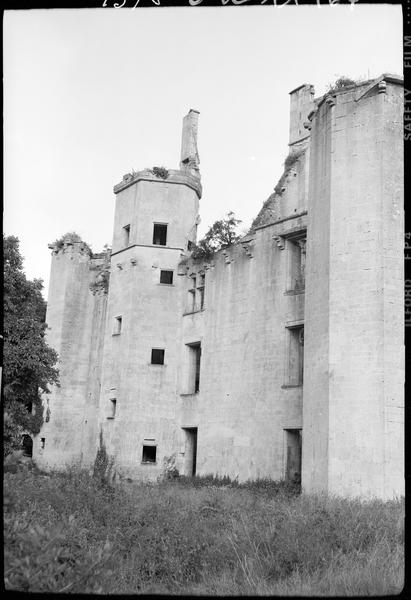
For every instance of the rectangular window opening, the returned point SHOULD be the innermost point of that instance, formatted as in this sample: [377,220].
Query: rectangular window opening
[126,235]
[118,321]
[190,451]
[296,264]
[166,277]
[149,454]
[113,406]
[293,445]
[160,234]
[43,443]
[295,355]
[194,366]
[157,356]
[201,287]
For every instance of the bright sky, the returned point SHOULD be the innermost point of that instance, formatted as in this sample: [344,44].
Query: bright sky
[92,94]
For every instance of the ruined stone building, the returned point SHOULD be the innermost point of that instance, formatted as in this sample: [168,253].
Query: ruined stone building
[283,354]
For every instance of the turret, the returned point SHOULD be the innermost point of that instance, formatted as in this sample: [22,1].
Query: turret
[155,222]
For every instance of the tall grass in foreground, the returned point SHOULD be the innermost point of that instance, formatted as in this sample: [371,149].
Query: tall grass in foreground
[67,533]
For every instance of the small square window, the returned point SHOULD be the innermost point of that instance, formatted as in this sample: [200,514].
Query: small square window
[149,454]
[118,321]
[160,234]
[43,443]
[157,356]
[166,277]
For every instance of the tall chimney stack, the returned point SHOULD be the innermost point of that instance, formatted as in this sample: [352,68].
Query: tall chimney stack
[190,159]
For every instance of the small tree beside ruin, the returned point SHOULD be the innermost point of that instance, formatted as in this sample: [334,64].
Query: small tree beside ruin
[222,234]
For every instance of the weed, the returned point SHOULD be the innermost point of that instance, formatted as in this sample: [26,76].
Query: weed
[65,532]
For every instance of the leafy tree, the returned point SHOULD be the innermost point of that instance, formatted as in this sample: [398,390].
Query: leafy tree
[29,363]
[222,234]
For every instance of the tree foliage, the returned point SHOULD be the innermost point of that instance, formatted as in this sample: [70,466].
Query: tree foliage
[29,363]
[222,234]
[341,83]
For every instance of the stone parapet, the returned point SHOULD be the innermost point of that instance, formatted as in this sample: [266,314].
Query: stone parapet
[174,176]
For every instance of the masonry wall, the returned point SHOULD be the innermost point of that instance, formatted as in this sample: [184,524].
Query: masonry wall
[74,326]
[354,340]
[343,193]
[145,393]
[244,405]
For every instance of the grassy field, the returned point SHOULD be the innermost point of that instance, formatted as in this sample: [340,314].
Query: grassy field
[68,533]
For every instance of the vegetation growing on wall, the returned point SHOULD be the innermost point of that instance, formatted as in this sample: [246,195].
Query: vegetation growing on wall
[269,212]
[221,234]
[29,363]
[103,464]
[289,162]
[74,237]
[341,83]
[160,172]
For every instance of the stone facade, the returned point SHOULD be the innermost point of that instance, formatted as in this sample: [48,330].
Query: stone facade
[282,356]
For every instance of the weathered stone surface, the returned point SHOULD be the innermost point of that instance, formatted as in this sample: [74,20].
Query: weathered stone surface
[247,308]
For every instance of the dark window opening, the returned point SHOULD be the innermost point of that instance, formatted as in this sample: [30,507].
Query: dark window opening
[293,444]
[113,406]
[27,444]
[189,245]
[166,277]
[201,288]
[126,235]
[197,375]
[42,443]
[159,234]
[149,454]
[295,355]
[29,406]
[194,367]
[157,356]
[118,321]
[190,451]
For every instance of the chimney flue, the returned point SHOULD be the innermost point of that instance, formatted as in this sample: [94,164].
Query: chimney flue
[190,159]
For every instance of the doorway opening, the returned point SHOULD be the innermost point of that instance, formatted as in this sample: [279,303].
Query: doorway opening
[27,444]
[190,451]
[293,444]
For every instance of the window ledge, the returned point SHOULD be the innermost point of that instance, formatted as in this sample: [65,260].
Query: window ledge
[148,462]
[192,312]
[156,365]
[115,334]
[286,387]
[190,394]
[294,292]
[111,418]
[167,284]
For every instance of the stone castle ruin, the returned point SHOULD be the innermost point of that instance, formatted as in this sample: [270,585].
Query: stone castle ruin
[282,355]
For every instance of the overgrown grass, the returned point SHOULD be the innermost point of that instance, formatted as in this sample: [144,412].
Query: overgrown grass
[69,533]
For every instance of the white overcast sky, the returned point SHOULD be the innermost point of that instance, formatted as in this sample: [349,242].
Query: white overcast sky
[91,94]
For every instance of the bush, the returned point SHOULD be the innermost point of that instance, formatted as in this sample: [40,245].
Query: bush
[341,83]
[160,172]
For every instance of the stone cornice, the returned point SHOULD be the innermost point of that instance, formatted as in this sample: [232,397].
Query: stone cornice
[175,177]
[289,218]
